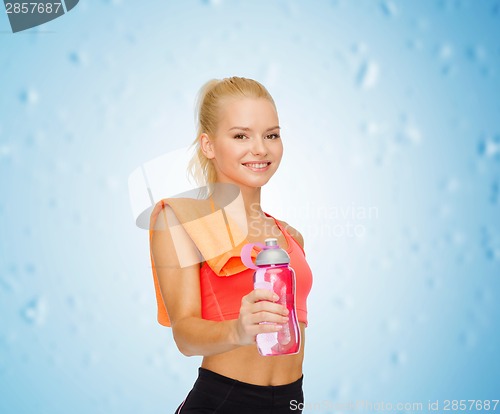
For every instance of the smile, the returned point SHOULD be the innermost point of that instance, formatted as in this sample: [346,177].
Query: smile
[258,166]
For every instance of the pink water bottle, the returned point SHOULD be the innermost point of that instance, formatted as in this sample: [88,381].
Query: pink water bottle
[272,272]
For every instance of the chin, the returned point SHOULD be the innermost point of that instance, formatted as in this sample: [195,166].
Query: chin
[255,183]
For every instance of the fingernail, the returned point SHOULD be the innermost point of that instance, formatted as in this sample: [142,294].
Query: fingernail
[275,297]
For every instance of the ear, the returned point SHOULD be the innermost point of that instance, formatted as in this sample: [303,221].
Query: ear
[207,146]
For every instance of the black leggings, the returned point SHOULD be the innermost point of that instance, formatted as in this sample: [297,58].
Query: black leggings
[214,393]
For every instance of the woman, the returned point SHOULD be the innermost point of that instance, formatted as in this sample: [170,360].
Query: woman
[207,295]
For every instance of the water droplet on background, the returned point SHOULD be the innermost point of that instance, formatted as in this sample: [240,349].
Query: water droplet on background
[490,243]
[398,357]
[468,339]
[476,53]
[415,44]
[389,8]
[433,282]
[74,303]
[113,2]
[6,151]
[489,147]
[30,268]
[35,311]
[495,10]
[494,192]
[91,358]
[8,284]
[213,3]
[359,48]
[409,134]
[445,51]
[29,96]
[78,57]
[451,185]
[391,325]
[448,69]
[368,74]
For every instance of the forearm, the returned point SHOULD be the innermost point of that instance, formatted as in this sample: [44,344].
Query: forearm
[196,336]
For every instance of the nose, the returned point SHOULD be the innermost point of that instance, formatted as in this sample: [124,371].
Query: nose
[259,147]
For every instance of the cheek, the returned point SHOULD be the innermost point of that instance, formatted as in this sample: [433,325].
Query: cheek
[279,152]
[231,155]
[237,153]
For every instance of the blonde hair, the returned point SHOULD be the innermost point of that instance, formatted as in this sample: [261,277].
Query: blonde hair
[207,110]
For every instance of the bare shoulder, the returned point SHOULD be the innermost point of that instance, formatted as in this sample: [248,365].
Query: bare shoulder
[293,232]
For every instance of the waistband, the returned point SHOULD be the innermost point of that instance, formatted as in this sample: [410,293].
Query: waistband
[250,394]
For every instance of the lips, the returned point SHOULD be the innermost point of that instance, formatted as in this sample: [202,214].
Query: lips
[257,166]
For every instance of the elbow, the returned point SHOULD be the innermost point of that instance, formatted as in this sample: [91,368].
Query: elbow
[185,350]
[182,344]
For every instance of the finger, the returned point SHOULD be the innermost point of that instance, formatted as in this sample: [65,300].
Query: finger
[264,294]
[269,327]
[270,307]
[264,328]
[264,316]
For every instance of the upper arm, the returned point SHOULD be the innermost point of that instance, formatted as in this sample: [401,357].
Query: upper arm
[177,264]
[294,233]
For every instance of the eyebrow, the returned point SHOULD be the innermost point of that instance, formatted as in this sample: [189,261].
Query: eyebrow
[249,129]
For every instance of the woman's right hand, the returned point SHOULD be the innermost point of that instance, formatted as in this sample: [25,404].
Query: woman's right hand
[256,307]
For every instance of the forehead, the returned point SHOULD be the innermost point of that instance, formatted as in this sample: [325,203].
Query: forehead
[247,112]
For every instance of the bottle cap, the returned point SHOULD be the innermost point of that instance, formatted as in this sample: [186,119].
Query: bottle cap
[271,242]
[272,254]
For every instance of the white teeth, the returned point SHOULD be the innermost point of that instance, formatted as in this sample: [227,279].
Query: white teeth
[262,165]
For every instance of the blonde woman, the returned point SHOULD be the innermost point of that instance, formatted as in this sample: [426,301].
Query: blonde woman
[204,292]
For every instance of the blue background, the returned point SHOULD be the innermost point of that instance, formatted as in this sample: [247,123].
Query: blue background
[390,119]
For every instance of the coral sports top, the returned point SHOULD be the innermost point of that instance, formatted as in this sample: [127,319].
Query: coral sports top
[224,279]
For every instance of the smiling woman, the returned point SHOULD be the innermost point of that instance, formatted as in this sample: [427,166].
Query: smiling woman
[236,150]
[208,298]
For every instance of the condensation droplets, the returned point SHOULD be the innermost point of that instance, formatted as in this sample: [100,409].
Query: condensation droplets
[489,147]
[451,185]
[476,53]
[91,358]
[468,339]
[389,8]
[445,51]
[29,96]
[368,75]
[408,132]
[6,151]
[494,192]
[78,57]
[490,243]
[35,311]
[398,357]
[213,3]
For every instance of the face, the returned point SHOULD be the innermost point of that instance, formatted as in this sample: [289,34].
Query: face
[247,148]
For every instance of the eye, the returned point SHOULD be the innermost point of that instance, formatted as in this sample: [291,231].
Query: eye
[273,136]
[240,136]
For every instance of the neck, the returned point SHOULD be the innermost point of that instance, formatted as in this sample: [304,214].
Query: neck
[251,200]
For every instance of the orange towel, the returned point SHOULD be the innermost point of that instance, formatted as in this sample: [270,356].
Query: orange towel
[218,234]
